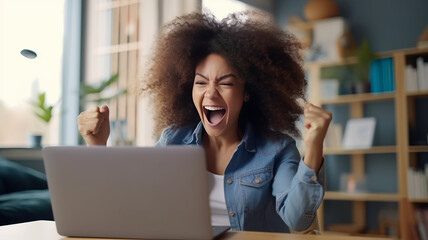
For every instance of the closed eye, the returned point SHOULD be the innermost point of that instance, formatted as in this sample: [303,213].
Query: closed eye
[226,84]
[200,82]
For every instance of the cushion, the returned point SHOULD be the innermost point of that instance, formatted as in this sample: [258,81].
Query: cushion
[25,206]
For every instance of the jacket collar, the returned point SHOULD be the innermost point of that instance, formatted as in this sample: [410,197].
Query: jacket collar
[196,136]
[249,138]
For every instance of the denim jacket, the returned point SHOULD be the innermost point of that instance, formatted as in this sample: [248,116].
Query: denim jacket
[267,187]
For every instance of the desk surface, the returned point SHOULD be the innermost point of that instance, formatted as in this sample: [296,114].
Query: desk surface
[46,230]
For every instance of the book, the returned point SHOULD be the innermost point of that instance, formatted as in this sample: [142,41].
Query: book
[411,78]
[410,183]
[359,133]
[375,85]
[387,74]
[382,75]
[417,183]
[391,74]
[426,75]
[420,221]
[414,232]
[425,215]
[420,67]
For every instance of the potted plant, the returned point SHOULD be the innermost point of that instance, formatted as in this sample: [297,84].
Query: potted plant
[43,112]
[342,75]
[98,92]
[360,70]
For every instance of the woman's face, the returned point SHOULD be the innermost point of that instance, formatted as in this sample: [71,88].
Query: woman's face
[218,96]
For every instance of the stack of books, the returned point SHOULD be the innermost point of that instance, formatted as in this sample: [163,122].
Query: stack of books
[420,231]
[417,181]
[382,75]
[417,78]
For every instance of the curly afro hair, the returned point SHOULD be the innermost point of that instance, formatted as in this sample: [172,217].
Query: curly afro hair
[266,57]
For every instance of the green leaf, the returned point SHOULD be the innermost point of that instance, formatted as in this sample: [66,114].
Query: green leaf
[44,117]
[110,81]
[364,57]
[98,99]
[87,89]
[42,99]
[98,87]
[42,111]
[93,92]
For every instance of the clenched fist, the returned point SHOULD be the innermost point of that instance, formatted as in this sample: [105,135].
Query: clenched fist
[316,124]
[94,125]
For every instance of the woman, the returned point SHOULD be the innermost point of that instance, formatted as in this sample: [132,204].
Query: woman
[233,87]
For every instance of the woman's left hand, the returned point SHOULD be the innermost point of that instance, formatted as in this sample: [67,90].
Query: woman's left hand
[316,124]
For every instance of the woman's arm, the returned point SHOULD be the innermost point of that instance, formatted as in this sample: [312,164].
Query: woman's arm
[316,124]
[299,185]
[297,188]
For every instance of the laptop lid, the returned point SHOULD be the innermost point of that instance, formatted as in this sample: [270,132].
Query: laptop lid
[129,192]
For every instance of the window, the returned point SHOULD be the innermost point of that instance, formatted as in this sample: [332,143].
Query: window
[112,45]
[35,25]
[217,7]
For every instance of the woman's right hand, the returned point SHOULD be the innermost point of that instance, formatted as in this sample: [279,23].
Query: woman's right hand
[94,125]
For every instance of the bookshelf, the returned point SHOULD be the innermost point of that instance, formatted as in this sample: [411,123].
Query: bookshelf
[410,146]
[400,151]
[372,150]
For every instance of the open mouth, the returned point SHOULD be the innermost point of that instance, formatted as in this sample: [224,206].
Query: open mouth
[214,114]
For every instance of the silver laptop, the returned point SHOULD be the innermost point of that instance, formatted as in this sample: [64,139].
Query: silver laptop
[129,192]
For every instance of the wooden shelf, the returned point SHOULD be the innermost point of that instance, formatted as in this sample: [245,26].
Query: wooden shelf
[418,149]
[418,200]
[364,97]
[346,61]
[420,93]
[372,150]
[353,60]
[415,51]
[375,197]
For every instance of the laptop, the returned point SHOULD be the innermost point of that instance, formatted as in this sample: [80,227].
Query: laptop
[130,192]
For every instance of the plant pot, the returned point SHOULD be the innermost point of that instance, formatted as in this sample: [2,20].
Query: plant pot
[35,140]
[320,9]
[362,87]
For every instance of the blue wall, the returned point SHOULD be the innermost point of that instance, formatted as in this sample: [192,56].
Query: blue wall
[386,24]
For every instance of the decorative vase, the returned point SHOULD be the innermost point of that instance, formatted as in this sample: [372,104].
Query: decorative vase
[320,9]
[362,87]
[345,45]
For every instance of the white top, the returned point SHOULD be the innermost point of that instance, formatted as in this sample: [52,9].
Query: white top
[219,216]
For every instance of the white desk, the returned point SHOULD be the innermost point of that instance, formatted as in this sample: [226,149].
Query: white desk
[46,230]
